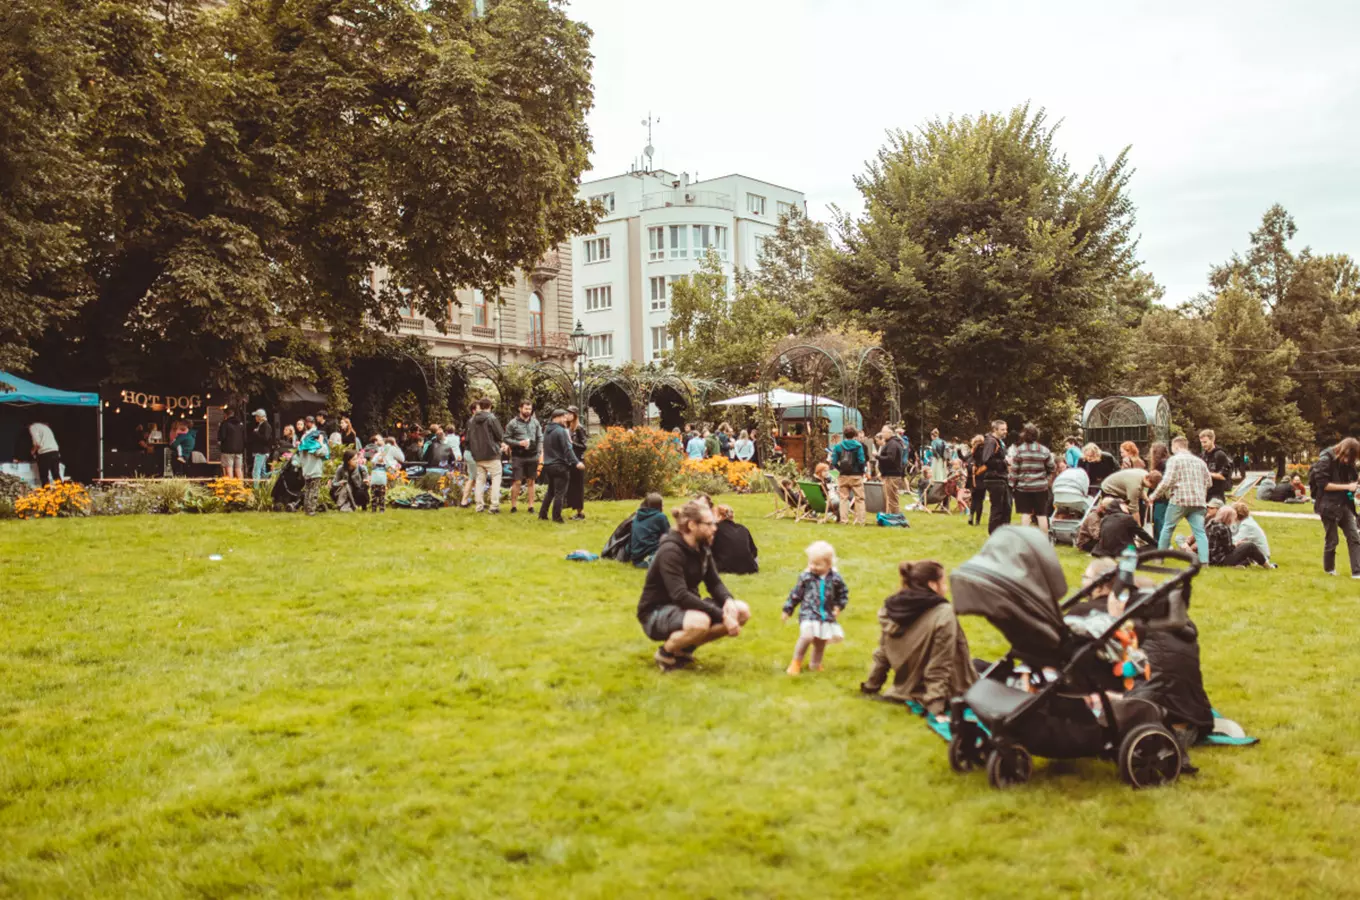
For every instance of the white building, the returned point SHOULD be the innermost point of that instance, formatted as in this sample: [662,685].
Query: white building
[656,229]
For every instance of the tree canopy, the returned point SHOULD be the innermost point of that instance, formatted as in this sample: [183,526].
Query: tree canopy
[996,275]
[241,171]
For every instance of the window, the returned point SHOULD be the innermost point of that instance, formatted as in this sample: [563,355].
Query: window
[661,341]
[783,209]
[606,200]
[600,346]
[597,250]
[755,204]
[598,298]
[536,319]
[710,236]
[679,246]
[658,284]
[656,243]
[478,309]
[760,245]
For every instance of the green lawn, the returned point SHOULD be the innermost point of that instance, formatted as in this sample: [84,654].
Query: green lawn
[437,704]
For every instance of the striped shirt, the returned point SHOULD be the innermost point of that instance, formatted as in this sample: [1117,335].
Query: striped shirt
[1187,481]
[1032,468]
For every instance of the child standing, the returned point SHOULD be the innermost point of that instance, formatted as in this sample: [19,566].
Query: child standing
[820,595]
[377,483]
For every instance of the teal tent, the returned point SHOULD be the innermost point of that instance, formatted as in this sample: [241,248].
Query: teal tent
[14,389]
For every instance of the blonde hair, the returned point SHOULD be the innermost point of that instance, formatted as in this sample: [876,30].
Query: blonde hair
[1091,452]
[1243,511]
[1227,515]
[821,550]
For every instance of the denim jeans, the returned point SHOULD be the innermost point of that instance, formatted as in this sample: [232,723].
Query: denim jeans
[1195,516]
[259,468]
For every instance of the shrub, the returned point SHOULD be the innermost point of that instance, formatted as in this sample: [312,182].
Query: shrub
[166,495]
[627,465]
[119,500]
[234,495]
[691,483]
[6,508]
[12,488]
[64,498]
[737,475]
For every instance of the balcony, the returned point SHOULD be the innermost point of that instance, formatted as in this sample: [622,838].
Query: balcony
[681,197]
[483,331]
[552,343]
[546,268]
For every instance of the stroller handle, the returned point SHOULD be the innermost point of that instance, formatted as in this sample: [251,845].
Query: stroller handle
[1149,556]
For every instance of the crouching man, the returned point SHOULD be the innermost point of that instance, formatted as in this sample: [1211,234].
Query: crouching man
[671,610]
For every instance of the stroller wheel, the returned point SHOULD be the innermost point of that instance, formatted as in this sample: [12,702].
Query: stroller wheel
[1009,766]
[967,748]
[1149,757]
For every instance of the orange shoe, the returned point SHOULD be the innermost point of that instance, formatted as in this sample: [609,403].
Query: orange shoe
[794,668]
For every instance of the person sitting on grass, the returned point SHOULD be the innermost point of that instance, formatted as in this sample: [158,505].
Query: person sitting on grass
[1222,549]
[649,526]
[819,595]
[1249,531]
[349,484]
[1118,529]
[922,642]
[734,550]
[671,609]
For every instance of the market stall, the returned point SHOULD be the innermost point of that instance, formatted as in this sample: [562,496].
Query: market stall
[141,426]
[23,402]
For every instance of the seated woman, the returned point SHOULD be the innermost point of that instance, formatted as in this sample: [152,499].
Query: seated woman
[921,642]
[349,484]
[1224,550]
[1249,531]
[821,473]
[648,528]
[734,550]
[1119,529]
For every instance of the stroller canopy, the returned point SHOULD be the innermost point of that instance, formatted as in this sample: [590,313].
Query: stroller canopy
[1016,582]
[1071,486]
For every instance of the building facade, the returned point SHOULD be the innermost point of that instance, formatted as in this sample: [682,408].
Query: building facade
[656,229]
[532,320]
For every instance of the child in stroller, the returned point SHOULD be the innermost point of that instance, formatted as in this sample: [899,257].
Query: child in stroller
[1017,583]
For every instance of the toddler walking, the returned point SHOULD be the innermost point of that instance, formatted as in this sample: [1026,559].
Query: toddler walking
[820,595]
[377,501]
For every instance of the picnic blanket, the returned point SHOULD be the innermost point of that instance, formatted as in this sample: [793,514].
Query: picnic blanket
[1226,733]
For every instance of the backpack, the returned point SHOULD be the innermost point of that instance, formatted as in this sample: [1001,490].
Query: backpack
[892,520]
[1320,475]
[847,461]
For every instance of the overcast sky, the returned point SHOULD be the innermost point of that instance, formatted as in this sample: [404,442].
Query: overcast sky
[1229,107]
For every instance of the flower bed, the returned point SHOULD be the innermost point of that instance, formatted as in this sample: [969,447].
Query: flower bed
[61,499]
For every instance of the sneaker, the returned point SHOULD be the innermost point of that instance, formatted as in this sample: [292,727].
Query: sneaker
[495,510]
[794,668]
[665,661]
[865,689]
[514,510]
[531,510]
[685,659]
[1333,574]
[579,517]
[1355,578]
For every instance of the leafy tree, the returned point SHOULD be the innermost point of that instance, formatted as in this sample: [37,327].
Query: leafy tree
[789,264]
[260,161]
[994,273]
[721,336]
[1174,354]
[44,178]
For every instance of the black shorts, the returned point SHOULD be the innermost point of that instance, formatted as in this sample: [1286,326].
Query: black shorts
[664,622]
[1032,503]
[523,468]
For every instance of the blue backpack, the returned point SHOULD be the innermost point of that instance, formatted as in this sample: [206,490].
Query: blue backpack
[893,520]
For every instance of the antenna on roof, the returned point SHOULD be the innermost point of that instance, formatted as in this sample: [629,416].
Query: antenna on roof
[649,151]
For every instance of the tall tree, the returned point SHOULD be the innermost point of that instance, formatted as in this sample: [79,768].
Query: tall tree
[787,273]
[45,181]
[991,269]
[263,159]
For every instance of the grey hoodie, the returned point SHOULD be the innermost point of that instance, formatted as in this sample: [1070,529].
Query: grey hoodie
[485,436]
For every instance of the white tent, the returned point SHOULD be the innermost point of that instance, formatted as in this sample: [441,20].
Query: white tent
[779,398]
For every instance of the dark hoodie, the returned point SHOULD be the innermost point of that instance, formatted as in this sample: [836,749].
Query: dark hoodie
[557,446]
[908,604]
[674,576]
[485,436]
[734,550]
[649,526]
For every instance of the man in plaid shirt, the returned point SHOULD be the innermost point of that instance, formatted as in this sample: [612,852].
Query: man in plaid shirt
[1186,483]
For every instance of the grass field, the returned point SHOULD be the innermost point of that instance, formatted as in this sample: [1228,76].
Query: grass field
[437,704]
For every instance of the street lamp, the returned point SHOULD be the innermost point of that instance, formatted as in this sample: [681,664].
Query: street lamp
[579,342]
[921,392]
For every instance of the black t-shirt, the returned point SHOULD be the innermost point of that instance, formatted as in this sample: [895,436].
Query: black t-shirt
[1219,463]
[993,456]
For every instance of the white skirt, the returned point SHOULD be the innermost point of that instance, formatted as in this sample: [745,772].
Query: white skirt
[822,631]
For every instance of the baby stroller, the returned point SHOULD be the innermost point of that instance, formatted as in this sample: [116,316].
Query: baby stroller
[1016,582]
[1071,504]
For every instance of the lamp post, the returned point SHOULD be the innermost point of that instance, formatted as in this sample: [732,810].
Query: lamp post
[921,392]
[579,340]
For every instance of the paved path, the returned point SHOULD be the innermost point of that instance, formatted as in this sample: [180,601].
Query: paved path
[1266,514]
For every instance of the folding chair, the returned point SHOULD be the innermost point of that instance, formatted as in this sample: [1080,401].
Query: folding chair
[788,500]
[815,504]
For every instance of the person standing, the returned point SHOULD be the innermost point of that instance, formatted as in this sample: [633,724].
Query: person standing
[312,452]
[46,453]
[260,443]
[1220,465]
[743,448]
[850,462]
[1187,486]
[231,440]
[1072,453]
[486,440]
[1158,454]
[890,469]
[580,442]
[712,446]
[694,447]
[993,471]
[1333,482]
[977,491]
[939,458]
[524,434]
[558,461]
[1031,476]
[349,438]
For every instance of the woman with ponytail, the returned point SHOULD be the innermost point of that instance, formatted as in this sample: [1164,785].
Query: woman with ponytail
[921,642]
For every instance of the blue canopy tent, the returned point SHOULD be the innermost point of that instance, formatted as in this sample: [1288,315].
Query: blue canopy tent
[16,391]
